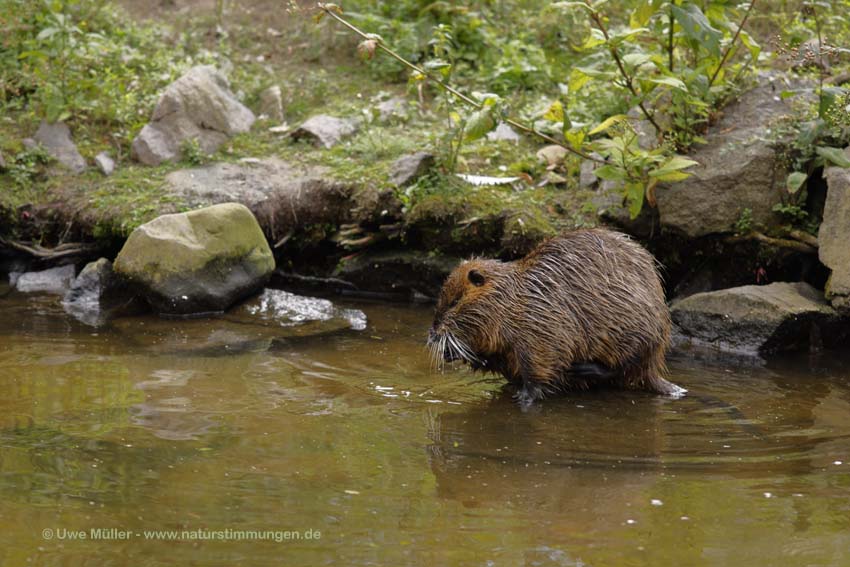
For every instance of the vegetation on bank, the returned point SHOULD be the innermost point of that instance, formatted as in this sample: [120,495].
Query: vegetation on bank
[586,74]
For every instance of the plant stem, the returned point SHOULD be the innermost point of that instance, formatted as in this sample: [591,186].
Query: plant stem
[820,59]
[670,38]
[629,80]
[731,45]
[448,88]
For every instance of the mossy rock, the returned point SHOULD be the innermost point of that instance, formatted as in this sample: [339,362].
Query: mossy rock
[201,261]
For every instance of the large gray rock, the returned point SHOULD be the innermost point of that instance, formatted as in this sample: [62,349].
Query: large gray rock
[757,320]
[834,237]
[54,280]
[97,295]
[283,196]
[56,139]
[197,262]
[407,169]
[324,130]
[738,168]
[199,106]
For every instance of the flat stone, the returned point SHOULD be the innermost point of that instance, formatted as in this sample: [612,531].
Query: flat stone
[407,169]
[395,107]
[283,196]
[54,280]
[56,139]
[324,130]
[834,236]
[757,320]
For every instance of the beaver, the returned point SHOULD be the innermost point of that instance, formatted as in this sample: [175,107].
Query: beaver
[583,309]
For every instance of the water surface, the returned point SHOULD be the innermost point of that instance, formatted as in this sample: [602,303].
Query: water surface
[351,439]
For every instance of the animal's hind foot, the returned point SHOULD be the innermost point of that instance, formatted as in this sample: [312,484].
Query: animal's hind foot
[527,394]
[667,388]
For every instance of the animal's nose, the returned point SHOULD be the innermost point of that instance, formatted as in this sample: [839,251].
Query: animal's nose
[432,335]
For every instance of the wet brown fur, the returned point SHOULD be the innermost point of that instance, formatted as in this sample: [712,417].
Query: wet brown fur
[588,298]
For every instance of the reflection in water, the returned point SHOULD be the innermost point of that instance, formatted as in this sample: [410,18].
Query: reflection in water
[224,423]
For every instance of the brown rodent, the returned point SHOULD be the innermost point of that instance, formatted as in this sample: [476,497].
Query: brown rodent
[582,309]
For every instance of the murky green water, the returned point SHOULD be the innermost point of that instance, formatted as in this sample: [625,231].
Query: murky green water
[349,438]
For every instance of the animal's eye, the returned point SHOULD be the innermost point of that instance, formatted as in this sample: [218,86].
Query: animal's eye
[454,302]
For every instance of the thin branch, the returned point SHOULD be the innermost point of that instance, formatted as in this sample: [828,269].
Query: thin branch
[626,77]
[38,251]
[448,88]
[731,45]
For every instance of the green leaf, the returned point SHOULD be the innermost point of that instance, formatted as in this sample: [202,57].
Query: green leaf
[671,177]
[555,112]
[577,79]
[752,45]
[634,198]
[670,82]
[835,156]
[697,27]
[479,124]
[625,35]
[608,123]
[794,181]
[575,138]
[595,73]
[636,59]
[610,172]
[674,164]
[640,15]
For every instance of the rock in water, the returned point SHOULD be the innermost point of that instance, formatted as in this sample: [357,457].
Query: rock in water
[278,308]
[198,105]
[834,237]
[757,320]
[56,139]
[97,295]
[325,130]
[197,262]
[54,280]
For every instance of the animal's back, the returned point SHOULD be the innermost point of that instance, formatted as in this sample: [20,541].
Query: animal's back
[597,294]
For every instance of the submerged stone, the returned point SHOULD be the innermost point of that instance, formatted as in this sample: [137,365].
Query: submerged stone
[97,295]
[54,280]
[280,308]
[197,262]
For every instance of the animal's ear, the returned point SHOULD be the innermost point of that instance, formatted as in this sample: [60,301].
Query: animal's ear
[476,278]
